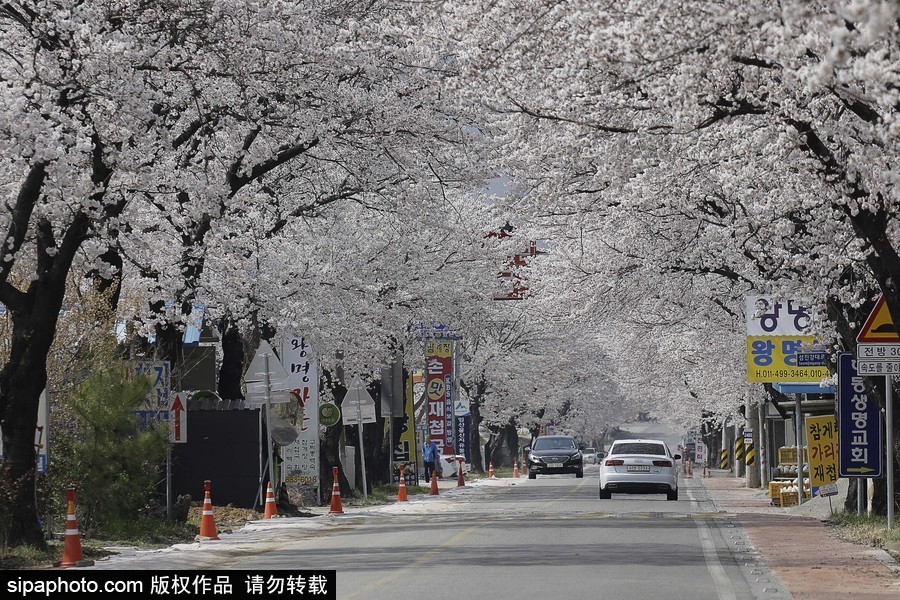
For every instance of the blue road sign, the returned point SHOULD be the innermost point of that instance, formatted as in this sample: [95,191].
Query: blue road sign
[859,424]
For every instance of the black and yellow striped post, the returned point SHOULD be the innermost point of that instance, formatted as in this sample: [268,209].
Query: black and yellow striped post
[750,454]
[739,448]
[723,462]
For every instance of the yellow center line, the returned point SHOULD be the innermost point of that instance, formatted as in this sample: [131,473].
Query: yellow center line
[424,559]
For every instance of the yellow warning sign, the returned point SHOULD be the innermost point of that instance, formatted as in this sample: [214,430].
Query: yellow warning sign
[879,327]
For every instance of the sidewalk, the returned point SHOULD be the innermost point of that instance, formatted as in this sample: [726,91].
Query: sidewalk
[800,550]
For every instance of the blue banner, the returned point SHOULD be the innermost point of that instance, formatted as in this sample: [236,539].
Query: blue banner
[859,424]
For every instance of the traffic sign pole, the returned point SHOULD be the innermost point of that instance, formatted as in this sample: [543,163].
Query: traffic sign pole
[889,434]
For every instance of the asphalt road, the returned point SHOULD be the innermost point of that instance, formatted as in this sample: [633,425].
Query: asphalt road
[551,537]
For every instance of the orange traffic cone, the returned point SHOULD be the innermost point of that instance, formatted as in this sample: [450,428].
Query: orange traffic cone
[336,508]
[271,507]
[491,471]
[401,492]
[515,469]
[460,482]
[434,486]
[207,520]
[72,553]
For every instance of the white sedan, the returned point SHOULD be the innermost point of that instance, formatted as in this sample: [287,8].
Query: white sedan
[639,467]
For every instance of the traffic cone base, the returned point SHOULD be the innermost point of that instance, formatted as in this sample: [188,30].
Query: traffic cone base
[434,485]
[336,507]
[207,519]
[271,507]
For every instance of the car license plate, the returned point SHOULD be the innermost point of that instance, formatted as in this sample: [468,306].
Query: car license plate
[639,468]
[554,462]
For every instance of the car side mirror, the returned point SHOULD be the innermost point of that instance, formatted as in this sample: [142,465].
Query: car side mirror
[527,448]
[676,456]
[601,454]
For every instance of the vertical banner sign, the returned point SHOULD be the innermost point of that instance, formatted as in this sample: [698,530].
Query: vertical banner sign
[462,437]
[155,407]
[821,439]
[405,438]
[860,442]
[438,371]
[301,458]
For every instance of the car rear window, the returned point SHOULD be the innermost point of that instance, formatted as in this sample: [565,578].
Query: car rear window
[639,448]
[554,444]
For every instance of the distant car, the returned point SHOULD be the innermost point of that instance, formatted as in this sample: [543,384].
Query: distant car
[639,467]
[551,454]
[589,456]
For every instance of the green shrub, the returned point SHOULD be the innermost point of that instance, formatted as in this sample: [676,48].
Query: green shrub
[114,466]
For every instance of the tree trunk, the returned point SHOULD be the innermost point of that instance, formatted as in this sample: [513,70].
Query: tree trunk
[232,368]
[22,381]
[475,437]
[329,448]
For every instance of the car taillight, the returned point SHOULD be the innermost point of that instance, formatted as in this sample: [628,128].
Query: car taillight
[614,462]
[662,463]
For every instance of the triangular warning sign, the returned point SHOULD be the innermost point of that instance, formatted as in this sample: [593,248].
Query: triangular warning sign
[879,327]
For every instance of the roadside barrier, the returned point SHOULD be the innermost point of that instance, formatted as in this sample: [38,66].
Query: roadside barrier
[723,461]
[336,508]
[207,520]
[72,553]
[401,490]
[271,506]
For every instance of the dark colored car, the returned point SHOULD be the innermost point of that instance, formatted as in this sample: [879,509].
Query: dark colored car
[551,454]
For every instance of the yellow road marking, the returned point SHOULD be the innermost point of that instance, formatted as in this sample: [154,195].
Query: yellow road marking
[424,559]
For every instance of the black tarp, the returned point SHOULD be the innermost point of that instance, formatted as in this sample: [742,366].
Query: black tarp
[224,447]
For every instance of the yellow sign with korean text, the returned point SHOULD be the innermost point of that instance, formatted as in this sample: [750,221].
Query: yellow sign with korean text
[773,359]
[822,441]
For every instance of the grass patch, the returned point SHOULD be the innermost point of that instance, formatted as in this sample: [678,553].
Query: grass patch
[863,529]
[140,532]
[28,557]
[384,494]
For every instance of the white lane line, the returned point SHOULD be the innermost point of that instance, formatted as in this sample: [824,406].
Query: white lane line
[724,589]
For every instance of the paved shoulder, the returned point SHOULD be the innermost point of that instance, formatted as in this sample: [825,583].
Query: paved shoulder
[810,561]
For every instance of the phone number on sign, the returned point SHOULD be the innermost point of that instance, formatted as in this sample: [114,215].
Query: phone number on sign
[790,374]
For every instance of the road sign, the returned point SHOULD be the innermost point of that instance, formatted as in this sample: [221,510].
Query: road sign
[358,406]
[879,328]
[178,419]
[860,441]
[878,359]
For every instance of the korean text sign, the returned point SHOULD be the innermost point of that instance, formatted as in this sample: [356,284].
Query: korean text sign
[438,373]
[822,441]
[860,423]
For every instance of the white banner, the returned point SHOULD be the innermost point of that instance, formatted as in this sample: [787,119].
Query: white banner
[301,459]
[767,316]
